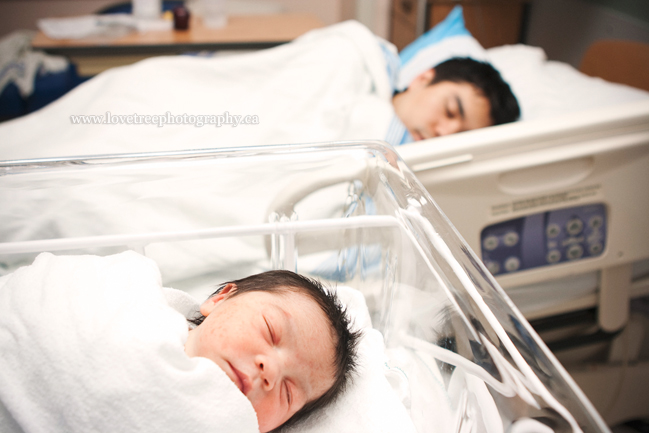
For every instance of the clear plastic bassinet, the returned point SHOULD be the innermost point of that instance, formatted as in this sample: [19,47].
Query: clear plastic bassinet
[348,213]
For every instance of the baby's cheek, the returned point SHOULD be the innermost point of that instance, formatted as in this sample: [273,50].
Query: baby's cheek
[210,341]
[269,415]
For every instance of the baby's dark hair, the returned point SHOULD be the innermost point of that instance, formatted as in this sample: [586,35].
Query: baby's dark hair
[504,106]
[346,340]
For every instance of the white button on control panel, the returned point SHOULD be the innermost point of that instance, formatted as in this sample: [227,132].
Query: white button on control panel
[596,222]
[553,256]
[575,252]
[490,243]
[512,264]
[595,248]
[553,230]
[493,267]
[574,226]
[510,239]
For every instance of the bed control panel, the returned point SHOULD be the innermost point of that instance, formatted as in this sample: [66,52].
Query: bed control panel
[544,238]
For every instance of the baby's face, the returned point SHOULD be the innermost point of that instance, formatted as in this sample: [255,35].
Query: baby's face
[276,347]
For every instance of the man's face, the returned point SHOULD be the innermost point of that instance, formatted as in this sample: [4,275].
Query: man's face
[276,347]
[443,108]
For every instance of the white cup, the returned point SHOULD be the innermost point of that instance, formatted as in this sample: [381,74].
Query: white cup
[214,13]
[147,9]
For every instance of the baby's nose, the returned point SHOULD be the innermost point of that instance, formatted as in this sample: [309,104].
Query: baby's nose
[268,371]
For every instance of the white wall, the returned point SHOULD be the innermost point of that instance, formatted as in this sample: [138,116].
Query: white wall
[375,14]
[329,11]
[22,14]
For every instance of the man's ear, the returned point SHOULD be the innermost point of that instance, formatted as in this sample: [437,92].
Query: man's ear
[208,306]
[423,79]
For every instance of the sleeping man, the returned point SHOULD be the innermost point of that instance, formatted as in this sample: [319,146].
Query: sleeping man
[457,95]
[332,84]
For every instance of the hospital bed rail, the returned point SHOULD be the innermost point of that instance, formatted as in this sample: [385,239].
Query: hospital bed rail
[508,182]
[503,173]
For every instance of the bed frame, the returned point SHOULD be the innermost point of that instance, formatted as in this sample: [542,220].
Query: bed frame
[511,171]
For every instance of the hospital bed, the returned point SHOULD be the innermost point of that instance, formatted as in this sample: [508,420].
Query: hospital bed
[593,157]
[530,197]
[459,356]
[557,212]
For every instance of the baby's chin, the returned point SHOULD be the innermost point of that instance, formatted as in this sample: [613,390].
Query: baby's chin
[266,419]
[266,425]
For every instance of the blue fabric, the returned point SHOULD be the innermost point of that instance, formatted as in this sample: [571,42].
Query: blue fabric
[392,63]
[397,133]
[453,25]
[11,103]
[127,7]
[407,138]
[47,88]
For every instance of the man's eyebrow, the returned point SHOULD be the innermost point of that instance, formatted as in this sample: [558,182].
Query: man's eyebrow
[460,108]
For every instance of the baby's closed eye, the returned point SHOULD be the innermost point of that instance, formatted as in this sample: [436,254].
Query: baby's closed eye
[287,390]
[271,333]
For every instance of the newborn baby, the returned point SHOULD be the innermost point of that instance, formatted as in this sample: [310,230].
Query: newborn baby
[282,339]
[91,343]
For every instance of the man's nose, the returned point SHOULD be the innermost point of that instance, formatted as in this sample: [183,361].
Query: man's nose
[448,127]
[268,371]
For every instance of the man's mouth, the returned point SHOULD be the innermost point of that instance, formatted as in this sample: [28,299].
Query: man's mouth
[416,135]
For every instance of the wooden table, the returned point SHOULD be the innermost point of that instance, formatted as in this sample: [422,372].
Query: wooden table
[95,54]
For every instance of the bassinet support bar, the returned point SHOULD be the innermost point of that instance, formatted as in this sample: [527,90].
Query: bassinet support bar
[286,228]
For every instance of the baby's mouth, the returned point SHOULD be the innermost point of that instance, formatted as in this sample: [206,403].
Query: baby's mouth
[241,380]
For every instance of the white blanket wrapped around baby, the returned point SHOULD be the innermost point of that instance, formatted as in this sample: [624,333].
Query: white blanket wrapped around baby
[90,344]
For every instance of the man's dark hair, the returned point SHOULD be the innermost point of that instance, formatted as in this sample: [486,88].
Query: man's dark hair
[345,360]
[504,107]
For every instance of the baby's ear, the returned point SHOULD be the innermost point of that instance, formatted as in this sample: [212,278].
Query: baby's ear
[208,306]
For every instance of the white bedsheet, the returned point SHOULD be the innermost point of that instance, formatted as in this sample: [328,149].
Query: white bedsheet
[330,84]
[551,89]
[90,344]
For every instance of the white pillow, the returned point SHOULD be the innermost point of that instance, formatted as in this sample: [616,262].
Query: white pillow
[369,405]
[547,89]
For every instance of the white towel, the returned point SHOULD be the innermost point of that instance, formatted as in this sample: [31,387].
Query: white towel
[19,64]
[90,344]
